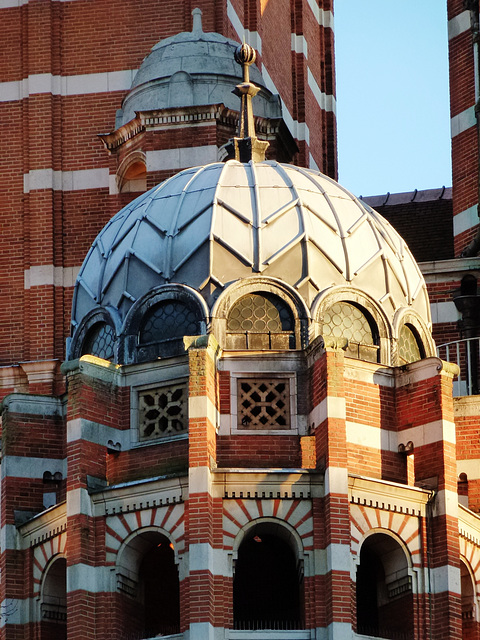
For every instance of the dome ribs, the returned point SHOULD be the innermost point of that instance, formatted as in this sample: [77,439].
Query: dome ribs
[280,212]
[257,217]
[211,226]
[302,236]
[340,232]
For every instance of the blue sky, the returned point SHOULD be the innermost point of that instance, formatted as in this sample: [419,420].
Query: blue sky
[392,95]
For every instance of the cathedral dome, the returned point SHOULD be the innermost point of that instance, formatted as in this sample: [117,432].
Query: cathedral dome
[190,69]
[208,227]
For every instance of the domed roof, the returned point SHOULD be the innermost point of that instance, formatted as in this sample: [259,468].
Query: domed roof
[193,68]
[209,226]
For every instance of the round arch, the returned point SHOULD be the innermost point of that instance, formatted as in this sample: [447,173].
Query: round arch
[132,173]
[409,318]
[95,319]
[53,598]
[148,584]
[268,581]
[181,296]
[468,595]
[373,312]
[385,586]
[258,285]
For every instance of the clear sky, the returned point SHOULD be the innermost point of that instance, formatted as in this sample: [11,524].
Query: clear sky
[392,95]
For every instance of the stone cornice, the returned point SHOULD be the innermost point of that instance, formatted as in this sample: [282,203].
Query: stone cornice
[45,526]
[469,525]
[141,494]
[182,116]
[388,496]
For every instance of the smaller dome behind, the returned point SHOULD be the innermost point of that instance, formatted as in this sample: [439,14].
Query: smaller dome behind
[193,68]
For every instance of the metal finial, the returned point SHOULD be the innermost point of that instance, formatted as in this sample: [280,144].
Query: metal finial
[197,21]
[247,146]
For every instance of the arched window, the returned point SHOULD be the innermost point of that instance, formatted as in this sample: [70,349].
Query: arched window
[134,178]
[99,341]
[54,601]
[149,587]
[267,588]
[259,321]
[384,590]
[347,320]
[409,345]
[164,326]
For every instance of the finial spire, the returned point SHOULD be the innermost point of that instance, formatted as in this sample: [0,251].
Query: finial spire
[247,146]
[197,21]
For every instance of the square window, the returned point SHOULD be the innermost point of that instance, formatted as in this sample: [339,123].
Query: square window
[162,412]
[263,404]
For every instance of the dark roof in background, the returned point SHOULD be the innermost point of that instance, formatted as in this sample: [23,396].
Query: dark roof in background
[423,218]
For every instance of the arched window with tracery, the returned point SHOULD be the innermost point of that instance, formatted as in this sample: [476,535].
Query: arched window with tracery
[99,341]
[352,322]
[54,601]
[410,348]
[384,590]
[260,320]
[267,585]
[164,326]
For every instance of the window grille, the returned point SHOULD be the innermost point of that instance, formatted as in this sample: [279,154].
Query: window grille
[261,321]
[168,320]
[345,320]
[263,404]
[408,349]
[100,341]
[162,412]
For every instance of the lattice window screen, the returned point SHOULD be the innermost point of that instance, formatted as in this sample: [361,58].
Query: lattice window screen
[162,411]
[263,404]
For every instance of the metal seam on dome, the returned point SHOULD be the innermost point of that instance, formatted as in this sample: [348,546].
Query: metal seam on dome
[280,212]
[257,217]
[234,211]
[194,217]
[321,218]
[146,262]
[323,252]
[235,252]
[368,262]
[82,282]
[358,223]
[386,275]
[187,257]
[332,208]
[213,219]
[129,251]
[381,241]
[398,279]
[401,258]
[169,239]
[301,221]
[290,244]
[417,289]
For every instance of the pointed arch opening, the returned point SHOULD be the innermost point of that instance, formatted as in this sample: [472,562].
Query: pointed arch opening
[384,593]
